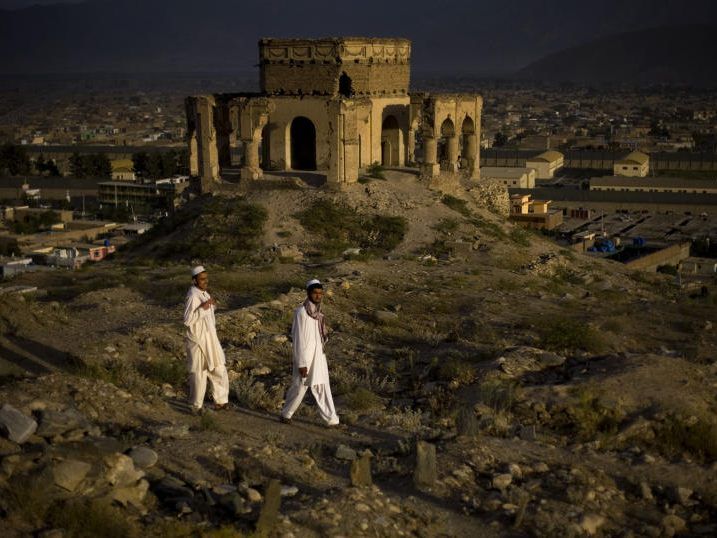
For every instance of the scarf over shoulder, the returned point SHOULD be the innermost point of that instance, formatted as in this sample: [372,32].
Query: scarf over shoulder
[314,312]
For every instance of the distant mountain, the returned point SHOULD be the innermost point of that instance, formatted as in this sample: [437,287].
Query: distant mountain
[669,55]
[453,36]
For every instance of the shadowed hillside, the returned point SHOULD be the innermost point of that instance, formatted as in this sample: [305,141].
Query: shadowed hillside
[489,382]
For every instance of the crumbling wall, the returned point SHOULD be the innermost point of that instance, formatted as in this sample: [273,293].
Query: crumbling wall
[314,66]
[492,195]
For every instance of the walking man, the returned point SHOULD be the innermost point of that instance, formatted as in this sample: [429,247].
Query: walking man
[310,369]
[205,357]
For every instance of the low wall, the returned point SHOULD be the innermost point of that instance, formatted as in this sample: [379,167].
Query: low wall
[671,255]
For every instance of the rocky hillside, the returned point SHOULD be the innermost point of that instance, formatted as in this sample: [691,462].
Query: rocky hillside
[489,382]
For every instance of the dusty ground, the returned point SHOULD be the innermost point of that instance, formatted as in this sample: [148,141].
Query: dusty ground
[565,396]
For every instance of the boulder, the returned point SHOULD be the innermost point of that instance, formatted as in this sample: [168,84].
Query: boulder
[17,426]
[467,423]
[672,524]
[131,495]
[70,473]
[54,423]
[269,514]
[361,471]
[234,504]
[143,457]
[520,360]
[502,481]
[385,317]
[121,471]
[344,452]
[591,523]
[426,472]
[170,487]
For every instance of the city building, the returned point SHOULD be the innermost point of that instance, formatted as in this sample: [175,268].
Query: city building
[158,195]
[546,164]
[123,170]
[635,164]
[534,214]
[698,266]
[521,178]
[10,267]
[654,184]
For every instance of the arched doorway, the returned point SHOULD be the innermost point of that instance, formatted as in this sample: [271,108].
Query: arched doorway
[303,144]
[445,144]
[265,151]
[390,142]
[467,152]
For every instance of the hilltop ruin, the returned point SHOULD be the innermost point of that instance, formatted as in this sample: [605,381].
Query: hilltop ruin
[334,105]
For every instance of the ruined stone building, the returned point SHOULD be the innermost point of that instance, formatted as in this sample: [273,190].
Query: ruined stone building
[334,105]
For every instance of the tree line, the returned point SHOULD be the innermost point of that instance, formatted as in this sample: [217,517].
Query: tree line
[161,164]
[15,161]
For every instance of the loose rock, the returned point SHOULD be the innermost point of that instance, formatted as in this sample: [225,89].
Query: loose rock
[18,426]
[426,472]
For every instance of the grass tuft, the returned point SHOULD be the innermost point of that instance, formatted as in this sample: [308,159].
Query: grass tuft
[564,334]
[341,227]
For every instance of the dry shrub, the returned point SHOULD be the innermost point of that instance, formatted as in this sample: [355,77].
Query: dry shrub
[88,519]
[692,435]
[405,419]
[362,399]
[251,393]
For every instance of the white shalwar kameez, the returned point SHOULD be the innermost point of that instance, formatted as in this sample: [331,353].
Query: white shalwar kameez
[309,354]
[205,357]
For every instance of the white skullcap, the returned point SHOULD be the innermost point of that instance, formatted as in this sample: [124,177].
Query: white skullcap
[198,269]
[313,282]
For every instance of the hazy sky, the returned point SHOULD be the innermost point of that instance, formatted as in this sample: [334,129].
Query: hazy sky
[16,4]
[467,36]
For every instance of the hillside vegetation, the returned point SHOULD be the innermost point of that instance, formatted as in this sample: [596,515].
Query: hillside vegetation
[503,386]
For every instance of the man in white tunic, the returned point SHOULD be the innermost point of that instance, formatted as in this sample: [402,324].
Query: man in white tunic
[310,369]
[205,357]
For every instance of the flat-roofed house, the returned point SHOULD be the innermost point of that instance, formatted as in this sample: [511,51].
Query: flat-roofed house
[123,170]
[654,184]
[534,214]
[635,164]
[546,164]
[519,178]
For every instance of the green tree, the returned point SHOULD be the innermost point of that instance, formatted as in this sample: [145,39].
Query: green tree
[98,166]
[14,160]
[499,140]
[77,165]
[46,167]
[140,162]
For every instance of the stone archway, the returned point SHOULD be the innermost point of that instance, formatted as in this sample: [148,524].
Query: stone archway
[390,142]
[467,142]
[265,151]
[303,144]
[448,146]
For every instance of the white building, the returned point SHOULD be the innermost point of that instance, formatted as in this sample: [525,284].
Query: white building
[546,164]
[636,164]
[519,178]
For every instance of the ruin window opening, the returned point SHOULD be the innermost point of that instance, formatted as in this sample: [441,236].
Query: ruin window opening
[345,87]
[303,144]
